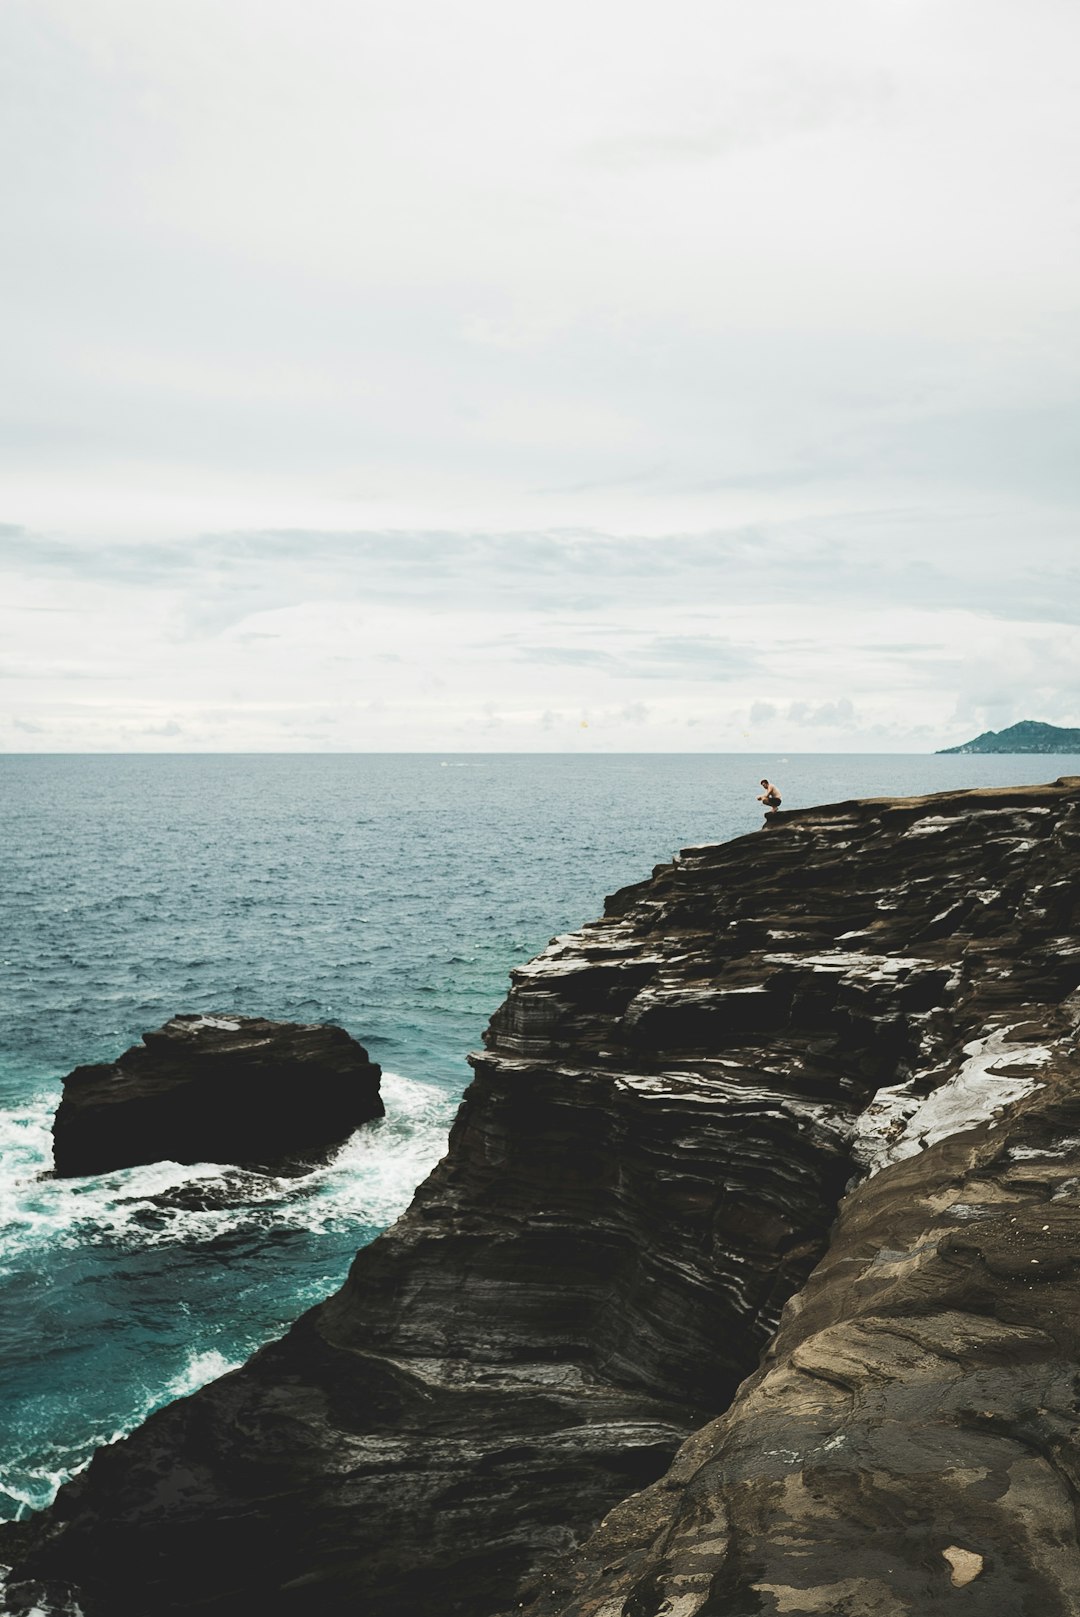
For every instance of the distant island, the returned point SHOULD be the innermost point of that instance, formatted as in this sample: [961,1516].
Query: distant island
[1027,736]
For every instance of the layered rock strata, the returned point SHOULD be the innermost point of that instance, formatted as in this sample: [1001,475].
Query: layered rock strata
[914,1430]
[221,1088]
[645,1169]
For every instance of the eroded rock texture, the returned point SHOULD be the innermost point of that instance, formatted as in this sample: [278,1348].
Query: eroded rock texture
[914,1430]
[217,1089]
[646,1168]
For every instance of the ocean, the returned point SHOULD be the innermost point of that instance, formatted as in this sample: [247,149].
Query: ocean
[388,893]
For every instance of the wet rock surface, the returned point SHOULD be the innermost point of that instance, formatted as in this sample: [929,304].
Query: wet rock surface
[915,1428]
[875,997]
[217,1089]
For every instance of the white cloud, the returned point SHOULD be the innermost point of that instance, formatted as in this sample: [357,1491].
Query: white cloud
[827,715]
[394,642]
[610,266]
[409,375]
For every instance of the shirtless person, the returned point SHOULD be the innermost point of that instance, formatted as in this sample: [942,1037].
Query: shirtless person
[770,797]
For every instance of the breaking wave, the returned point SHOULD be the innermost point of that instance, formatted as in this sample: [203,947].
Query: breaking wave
[368,1181]
[218,1259]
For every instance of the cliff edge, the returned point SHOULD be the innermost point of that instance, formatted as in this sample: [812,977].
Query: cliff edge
[866,1010]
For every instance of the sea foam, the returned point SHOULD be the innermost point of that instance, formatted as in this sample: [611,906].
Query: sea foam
[368,1181]
[195,1217]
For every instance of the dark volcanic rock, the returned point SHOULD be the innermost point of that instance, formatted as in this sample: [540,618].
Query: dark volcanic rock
[217,1089]
[645,1169]
[915,1428]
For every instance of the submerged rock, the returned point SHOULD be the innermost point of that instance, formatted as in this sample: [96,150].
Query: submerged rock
[235,1089]
[878,998]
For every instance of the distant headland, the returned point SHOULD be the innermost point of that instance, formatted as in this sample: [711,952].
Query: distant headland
[1027,736]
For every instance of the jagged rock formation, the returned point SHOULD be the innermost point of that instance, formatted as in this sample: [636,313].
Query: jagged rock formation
[217,1089]
[915,1428]
[1027,736]
[645,1169]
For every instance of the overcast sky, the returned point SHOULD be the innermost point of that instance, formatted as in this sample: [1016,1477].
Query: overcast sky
[399,374]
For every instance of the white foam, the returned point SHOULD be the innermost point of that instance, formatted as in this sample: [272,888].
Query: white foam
[200,1368]
[369,1181]
[67,1608]
[372,1177]
[900,1121]
[33,1483]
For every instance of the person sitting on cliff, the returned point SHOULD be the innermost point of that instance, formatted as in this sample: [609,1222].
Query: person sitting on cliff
[770,797]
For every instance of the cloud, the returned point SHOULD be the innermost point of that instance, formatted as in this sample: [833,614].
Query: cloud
[402,640]
[1023,677]
[782,102]
[29,727]
[710,657]
[37,668]
[826,715]
[567,656]
[213,582]
[651,657]
[666,300]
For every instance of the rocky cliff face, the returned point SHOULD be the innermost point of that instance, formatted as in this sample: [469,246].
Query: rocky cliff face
[645,1170]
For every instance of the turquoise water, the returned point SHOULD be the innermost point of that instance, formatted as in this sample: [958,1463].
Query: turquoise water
[391,894]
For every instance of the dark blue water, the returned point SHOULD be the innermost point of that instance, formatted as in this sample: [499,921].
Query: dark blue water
[391,894]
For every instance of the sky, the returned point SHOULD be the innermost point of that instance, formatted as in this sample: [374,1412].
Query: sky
[391,375]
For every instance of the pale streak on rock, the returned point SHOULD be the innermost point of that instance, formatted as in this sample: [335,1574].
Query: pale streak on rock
[904,1120]
[966,1565]
[851,1596]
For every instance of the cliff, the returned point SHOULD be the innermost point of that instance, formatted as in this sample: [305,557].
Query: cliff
[647,1167]
[1027,736]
